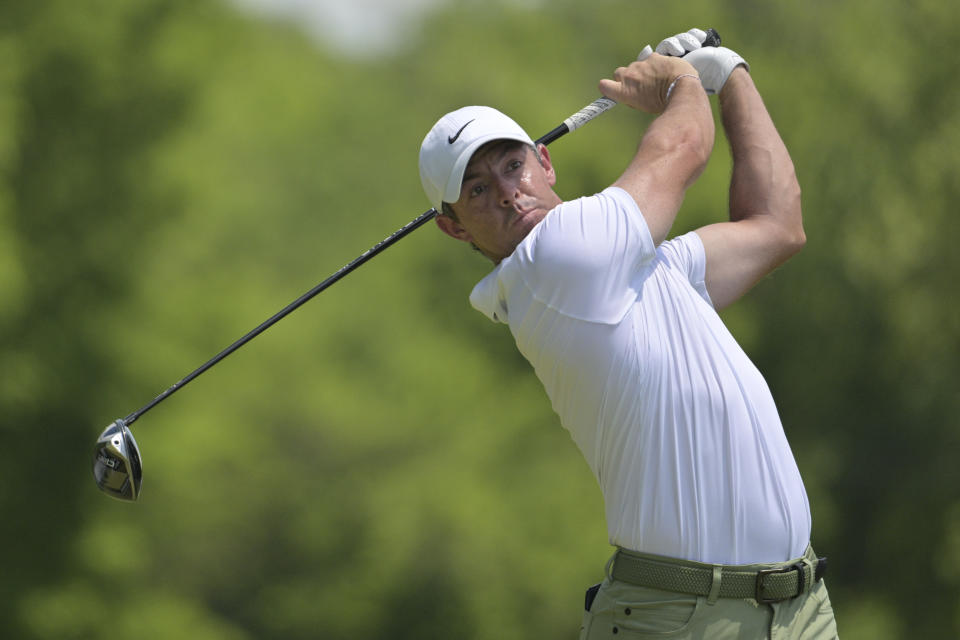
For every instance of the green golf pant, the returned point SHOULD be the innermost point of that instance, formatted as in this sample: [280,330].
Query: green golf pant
[622,610]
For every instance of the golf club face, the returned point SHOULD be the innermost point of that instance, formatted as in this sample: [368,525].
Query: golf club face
[116,463]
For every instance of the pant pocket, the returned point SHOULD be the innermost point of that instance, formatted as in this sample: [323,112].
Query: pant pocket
[654,613]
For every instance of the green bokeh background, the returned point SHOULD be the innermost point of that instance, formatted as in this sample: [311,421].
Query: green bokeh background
[382,464]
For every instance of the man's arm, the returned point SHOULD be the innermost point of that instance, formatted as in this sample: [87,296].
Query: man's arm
[765,227]
[675,147]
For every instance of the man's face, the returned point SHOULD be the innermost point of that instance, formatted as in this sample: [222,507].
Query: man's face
[506,191]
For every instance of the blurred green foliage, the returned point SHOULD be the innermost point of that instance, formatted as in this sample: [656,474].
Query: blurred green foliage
[383,464]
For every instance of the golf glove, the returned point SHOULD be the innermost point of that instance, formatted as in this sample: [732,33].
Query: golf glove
[714,64]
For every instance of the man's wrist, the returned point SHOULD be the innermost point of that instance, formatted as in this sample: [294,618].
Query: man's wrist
[678,79]
[739,76]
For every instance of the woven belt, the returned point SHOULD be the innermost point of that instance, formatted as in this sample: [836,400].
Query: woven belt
[781,582]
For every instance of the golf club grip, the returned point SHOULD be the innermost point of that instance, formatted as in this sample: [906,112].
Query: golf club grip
[712,39]
[602,105]
[575,121]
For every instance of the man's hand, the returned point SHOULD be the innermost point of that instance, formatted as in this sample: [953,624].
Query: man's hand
[714,64]
[644,85]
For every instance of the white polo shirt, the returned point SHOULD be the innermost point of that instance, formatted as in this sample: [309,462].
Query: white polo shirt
[677,424]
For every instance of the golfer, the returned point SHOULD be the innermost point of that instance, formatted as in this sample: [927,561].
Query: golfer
[704,501]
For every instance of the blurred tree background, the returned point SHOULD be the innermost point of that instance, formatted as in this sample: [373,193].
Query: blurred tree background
[382,464]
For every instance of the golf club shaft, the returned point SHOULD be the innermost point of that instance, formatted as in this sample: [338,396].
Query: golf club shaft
[575,121]
[584,115]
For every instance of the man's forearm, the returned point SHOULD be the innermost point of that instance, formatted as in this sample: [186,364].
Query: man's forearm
[672,154]
[764,183]
[687,120]
[676,145]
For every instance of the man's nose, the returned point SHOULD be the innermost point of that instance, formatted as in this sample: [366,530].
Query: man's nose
[506,192]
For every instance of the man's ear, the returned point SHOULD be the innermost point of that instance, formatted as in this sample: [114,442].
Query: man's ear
[453,228]
[547,165]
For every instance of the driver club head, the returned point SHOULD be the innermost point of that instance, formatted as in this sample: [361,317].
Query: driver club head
[116,463]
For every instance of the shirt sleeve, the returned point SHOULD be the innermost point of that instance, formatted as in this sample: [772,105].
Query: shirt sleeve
[686,254]
[587,258]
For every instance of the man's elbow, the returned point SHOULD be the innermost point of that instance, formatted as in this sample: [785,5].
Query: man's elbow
[699,141]
[695,147]
[689,143]
[793,243]
[793,237]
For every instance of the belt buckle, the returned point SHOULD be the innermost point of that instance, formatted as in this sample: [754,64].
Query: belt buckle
[763,573]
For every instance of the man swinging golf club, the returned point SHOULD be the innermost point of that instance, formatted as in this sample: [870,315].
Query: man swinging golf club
[704,501]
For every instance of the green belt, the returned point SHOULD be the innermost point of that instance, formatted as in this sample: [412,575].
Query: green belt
[764,583]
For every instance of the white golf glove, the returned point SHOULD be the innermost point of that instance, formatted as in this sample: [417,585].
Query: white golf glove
[714,64]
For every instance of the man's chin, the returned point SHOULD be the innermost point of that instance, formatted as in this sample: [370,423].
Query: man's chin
[525,223]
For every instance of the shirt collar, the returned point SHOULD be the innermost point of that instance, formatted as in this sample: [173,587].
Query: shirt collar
[486,297]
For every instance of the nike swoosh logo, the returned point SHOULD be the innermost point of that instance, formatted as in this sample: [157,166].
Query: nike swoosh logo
[453,138]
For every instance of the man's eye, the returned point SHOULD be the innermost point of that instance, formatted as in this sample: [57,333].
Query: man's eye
[477,190]
[515,164]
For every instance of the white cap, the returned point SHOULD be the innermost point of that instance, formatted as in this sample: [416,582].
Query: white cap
[451,143]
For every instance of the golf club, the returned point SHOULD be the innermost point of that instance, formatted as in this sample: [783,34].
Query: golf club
[117,467]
